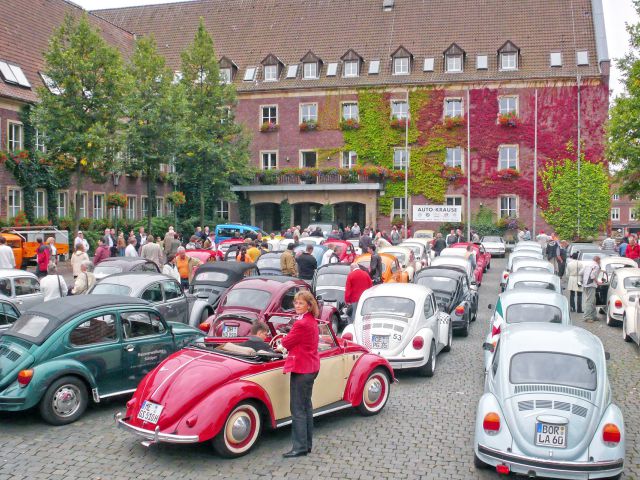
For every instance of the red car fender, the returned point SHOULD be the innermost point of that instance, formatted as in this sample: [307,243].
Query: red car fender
[212,417]
[359,374]
[327,311]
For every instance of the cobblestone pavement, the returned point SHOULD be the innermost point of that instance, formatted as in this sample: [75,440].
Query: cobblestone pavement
[425,431]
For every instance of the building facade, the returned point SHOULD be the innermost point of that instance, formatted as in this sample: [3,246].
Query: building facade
[624,214]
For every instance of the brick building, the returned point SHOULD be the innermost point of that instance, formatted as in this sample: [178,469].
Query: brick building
[624,214]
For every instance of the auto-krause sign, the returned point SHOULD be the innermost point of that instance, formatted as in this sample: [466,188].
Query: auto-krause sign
[437,213]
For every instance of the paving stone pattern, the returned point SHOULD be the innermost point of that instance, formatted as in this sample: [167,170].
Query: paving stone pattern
[424,432]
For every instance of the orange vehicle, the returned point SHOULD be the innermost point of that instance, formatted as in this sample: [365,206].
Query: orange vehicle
[391,269]
[23,242]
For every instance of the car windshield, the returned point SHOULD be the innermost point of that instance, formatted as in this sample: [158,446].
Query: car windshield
[30,325]
[269,262]
[388,306]
[402,257]
[553,368]
[591,255]
[632,282]
[247,297]
[614,266]
[492,239]
[104,270]
[330,294]
[331,280]
[533,312]
[219,277]
[110,289]
[440,284]
[526,284]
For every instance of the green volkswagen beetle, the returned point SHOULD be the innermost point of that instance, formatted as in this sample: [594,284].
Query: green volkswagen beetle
[64,352]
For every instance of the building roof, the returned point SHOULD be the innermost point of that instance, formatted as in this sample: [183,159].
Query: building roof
[24,37]
[247,31]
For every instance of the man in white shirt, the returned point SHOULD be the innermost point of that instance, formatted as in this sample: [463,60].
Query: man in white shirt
[53,285]
[7,259]
[80,239]
[589,283]
[131,251]
[327,257]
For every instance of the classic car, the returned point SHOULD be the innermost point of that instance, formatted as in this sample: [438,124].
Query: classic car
[624,288]
[512,257]
[532,279]
[329,284]
[391,269]
[269,263]
[9,313]
[420,251]
[428,234]
[478,270]
[494,245]
[578,247]
[21,287]
[356,245]
[532,264]
[483,257]
[326,228]
[205,256]
[631,321]
[547,409]
[458,262]
[406,258]
[607,266]
[345,250]
[318,251]
[535,246]
[453,294]
[229,394]
[258,298]
[404,324]
[312,240]
[224,245]
[65,352]
[229,231]
[112,265]
[588,255]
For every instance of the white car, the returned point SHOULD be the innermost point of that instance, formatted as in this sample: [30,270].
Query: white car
[406,257]
[532,279]
[402,323]
[527,248]
[419,251]
[312,240]
[631,322]
[494,245]
[607,267]
[624,288]
[461,263]
[512,257]
[532,264]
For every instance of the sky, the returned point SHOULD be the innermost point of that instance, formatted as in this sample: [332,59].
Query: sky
[617,12]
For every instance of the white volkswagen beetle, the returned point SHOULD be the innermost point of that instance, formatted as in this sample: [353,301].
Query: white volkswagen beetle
[624,288]
[402,323]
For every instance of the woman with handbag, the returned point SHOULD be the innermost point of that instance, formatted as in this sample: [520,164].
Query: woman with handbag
[574,274]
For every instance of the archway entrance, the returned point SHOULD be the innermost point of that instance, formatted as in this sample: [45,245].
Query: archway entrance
[346,213]
[267,217]
[306,213]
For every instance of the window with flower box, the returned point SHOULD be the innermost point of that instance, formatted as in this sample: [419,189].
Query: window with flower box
[507,157]
[615,214]
[350,111]
[63,204]
[308,112]
[349,159]
[400,158]
[222,210]
[269,160]
[508,105]
[399,109]
[14,201]
[131,207]
[508,206]
[14,136]
[453,107]
[269,114]
[454,157]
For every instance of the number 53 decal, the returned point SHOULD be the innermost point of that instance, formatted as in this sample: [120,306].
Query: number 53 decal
[397,336]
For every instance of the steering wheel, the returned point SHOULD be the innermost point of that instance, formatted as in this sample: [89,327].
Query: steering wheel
[277,340]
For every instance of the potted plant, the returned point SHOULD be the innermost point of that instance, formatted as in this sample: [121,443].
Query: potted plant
[400,123]
[507,119]
[116,199]
[308,125]
[349,124]
[507,174]
[269,127]
[453,122]
[177,198]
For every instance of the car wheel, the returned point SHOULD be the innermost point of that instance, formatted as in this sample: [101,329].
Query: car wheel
[430,368]
[479,464]
[64,401]
[611,322]
[447,347]
[626,337]
[335,324]
[375,393]
[240,432]
[206,313]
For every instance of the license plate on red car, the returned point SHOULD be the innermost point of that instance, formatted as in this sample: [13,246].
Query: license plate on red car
[380,342]
[150,412]
[229,331]
[551,435]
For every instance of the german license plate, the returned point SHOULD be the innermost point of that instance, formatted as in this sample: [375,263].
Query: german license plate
[380,342]
[150,412]
[551,435]
[229,331]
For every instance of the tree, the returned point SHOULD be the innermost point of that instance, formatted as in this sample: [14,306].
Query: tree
[623,130]
[214,150]
[578,205]
[154,108]
[81,119]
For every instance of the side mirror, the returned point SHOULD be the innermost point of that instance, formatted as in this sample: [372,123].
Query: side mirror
[488,347]
[607,356]
[490,307]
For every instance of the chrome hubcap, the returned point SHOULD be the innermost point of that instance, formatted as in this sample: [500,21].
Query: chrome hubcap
[240,428]
[374,390]
[66,400]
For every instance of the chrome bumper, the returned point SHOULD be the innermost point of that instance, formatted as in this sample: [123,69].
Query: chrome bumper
[560,466]
[153,436]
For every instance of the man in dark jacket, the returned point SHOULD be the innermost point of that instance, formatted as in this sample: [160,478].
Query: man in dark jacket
[307,264]
[365,242]
[439,244]
[375,266]
[259,332]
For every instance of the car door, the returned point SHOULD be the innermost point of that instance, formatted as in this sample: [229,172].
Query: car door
[147,341]
[175,301]
[27,292]
[613,285]
[153,294]
[431,319]
[8,315]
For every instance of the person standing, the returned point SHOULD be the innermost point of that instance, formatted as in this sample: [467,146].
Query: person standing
[303,362]
[121,244]
[53,285]
[43,255]
[551,251]
[131,251]
[102,252]
[77,258]
[152,251]
[375,266]
[358,281]
[80,239]
[355,230]
[168,239]
[542,239]
[307,264]
[520,235]
[85,281]
[608,244]
[561,257]
[109,242]
[574,274]
[589,284]
[253,251]
[395,236]
[51,243]
[170,267]
[365,242]
[186,267]
[527,234]
[622,248]
[288,264]
[141,238]
[329,256]
[633,250]
[7,258]
[439,244]
[451,238]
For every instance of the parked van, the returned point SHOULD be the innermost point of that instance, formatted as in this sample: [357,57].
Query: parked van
[228,230]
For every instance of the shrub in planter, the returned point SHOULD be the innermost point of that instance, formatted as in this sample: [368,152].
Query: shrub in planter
[268,177]
[177,198]
[349,124]
[269,127]
[452,173]
[42,221]
[20,220]
[507,119]
[453,122]
[399,123]
[85,223]
[116,199]
[308,126]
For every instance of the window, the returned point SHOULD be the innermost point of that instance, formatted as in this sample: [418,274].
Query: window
[269,160]
[270,73]
[374,67]
[509,61]
[144,206]
[429,310]
[401,66]
[39,141]
[249,74]
[507,105]
[63,202]
[582,58]
[222,210]
[153,293]
[309,159]
[8,315]
[349,159]
[399,207]
[14,201]
[615,214]
[13,74]
[454,157]
[508,207]
[131,208]
[351,68]
[82,204]
[141,324]
[454,63]
[225,75]
[616,196]
[292,71]
[350,111]
[26,286]
[51,84]
[269,114]
[453,107]
[159,206]
[482,62]
[428,65]
[98,206]
[507,157]
[14,136]
[555,59]
[308,112]
[310,70]
[453,201]
[399,109]
[171,290]
[40,208]
[332,69]
[169,209]
[96,330]
[632,215]
[399,159]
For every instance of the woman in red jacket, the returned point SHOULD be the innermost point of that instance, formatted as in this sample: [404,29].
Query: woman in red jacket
[303,362]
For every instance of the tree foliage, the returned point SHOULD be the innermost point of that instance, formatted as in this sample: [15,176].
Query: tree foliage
[578,204]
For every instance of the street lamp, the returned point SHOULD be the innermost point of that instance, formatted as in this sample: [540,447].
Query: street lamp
[406,169]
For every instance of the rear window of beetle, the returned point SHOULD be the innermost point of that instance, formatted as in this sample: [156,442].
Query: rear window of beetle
[30,325]
[533,312]
[553,368]
[388,305]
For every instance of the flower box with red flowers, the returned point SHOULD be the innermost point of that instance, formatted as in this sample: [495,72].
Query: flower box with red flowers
[507,119]
[116,199]
[453,122]
[308,126]
[452,173]
[506,174]
[269,127]
[400,123]
[177,198]
[349,124]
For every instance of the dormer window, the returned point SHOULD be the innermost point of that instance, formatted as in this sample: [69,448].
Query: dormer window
[225,75]
[401,61]
[270,73]
[508,56]
[310,66]
[272,68]
[351,63]
[310,70]
[454,59]
[351,68]
[228,70]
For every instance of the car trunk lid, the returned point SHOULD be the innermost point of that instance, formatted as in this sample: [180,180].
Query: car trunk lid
[14,356]
[383,333]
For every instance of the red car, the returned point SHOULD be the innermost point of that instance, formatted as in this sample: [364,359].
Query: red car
[258,298]
[204,255]
[344,250]
[483,258]
[229,394]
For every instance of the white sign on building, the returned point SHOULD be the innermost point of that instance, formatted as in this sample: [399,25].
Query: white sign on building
[437,213]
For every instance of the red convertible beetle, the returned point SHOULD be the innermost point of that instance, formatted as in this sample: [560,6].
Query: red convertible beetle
[345,251]
[229,394]
[483,258]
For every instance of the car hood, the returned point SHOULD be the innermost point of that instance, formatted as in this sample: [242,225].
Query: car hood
[13,357]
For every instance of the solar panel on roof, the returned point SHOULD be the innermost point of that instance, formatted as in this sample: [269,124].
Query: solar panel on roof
[374,66]
[332,69]
[292,71]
